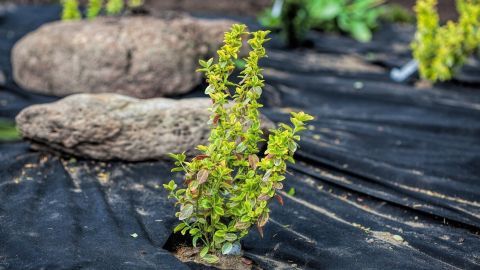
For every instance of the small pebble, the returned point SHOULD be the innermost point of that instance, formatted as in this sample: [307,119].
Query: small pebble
[398,238]
[358,85]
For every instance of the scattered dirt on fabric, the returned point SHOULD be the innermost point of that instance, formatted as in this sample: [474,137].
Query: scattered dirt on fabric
[192,254]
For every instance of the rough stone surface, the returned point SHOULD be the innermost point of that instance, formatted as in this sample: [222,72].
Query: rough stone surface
[112,126]
[139,56]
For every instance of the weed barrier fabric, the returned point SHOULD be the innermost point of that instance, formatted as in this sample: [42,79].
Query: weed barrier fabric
[387,176]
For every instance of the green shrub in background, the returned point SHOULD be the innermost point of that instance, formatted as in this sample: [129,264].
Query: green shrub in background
[357,18]
[70,10]
[114,7]
[293,21]
[228,186]
[94,7]
[442,50]
[8,131]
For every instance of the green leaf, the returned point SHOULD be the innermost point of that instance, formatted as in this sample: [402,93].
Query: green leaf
[325,10]
[291,191]
[194,231]
[226,248]
[257,90]
[203,252]
[209,258]
[241,147]
[230,237]
[360,31]
[195,239]
[186,212]
[179,227]
[209,90]
[170,186]
[220,233]
[218,210]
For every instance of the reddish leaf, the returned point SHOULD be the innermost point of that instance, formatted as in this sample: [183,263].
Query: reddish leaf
[279,199]
[200,157]
[262,220]
[202,176]
[252,161]
[269,156]
[263,197]
[278,185]
[260,231]
[215,120]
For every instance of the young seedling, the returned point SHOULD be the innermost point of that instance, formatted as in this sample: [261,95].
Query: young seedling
[227,188]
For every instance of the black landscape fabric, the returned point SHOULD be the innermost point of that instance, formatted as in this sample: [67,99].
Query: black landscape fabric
[387,176]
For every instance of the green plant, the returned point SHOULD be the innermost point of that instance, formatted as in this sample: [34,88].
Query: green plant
[293,21]
[94,8]
[114,7]
[442,50]
[135,3]
[8,131]
[70,10]
[355,17]
[227,187]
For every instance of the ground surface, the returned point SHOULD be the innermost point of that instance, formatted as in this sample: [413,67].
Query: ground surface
[387,175]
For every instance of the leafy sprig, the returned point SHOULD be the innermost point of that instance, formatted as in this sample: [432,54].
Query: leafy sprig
[227,187]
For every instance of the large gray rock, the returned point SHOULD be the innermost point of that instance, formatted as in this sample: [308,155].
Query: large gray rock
[139,56]
[112,126]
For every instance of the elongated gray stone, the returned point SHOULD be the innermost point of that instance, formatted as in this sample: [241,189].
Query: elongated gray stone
[112,126]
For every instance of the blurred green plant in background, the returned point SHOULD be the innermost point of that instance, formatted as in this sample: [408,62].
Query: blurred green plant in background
[357,18]
[442,50]
[94,7]
[70,10]
[8,131]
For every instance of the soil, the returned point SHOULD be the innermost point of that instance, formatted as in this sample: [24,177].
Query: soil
[180,246]
[191,254]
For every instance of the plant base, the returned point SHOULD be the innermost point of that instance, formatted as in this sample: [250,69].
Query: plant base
[191,254]
[179,246]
